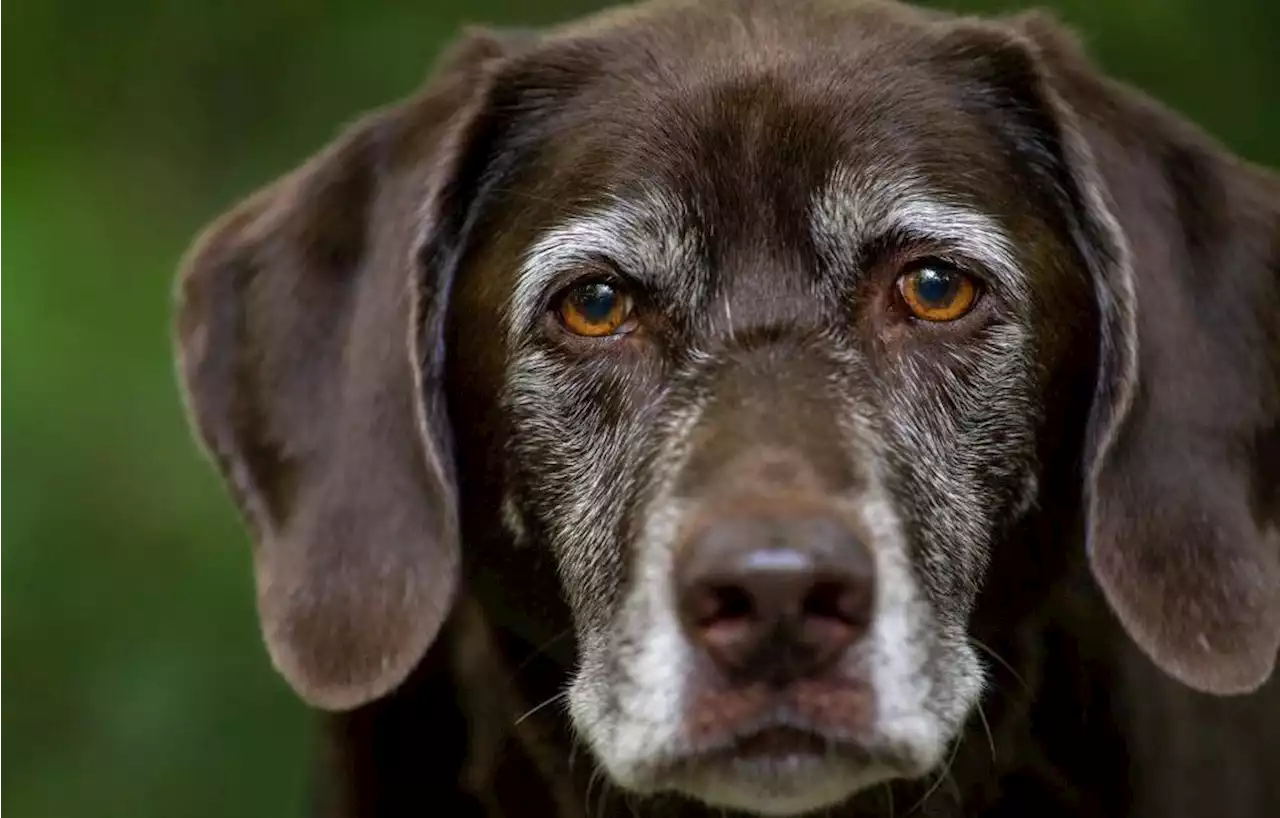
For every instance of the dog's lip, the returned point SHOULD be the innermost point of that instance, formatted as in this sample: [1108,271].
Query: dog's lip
[778,742]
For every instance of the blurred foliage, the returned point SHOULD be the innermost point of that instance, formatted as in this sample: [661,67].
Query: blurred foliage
[137,681]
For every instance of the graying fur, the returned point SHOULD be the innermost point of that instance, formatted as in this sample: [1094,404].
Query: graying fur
[942,425]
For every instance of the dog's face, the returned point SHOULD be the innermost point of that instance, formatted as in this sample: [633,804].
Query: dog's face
[771,329]
[775,351]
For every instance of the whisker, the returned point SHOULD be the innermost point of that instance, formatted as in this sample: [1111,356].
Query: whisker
[955,787]
[992,653]
[986,726]
[596,775]
[946,772]
[538,651]
[550,700]
[602,799]
[888,796]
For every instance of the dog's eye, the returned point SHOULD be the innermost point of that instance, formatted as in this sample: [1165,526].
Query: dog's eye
[936,291]
[595,309]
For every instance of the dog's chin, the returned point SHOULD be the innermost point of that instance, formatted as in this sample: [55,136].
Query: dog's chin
[775,773]
[783,784]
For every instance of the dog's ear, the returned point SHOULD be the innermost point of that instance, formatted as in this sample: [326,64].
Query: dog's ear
[306,325]
[1182,457]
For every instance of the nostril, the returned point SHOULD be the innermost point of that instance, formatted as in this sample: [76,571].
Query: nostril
[733,602]
[836,601]
[722,604]
[725,619]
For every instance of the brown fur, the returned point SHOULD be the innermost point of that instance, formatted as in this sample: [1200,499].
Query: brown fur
[343,361]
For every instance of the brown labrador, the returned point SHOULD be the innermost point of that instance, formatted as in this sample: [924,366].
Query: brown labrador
[762,406]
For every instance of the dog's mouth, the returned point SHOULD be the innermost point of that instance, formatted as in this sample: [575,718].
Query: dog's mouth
[778,742]
[777,746]
[781,768]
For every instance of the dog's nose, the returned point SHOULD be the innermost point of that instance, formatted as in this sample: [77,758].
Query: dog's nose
[774,599]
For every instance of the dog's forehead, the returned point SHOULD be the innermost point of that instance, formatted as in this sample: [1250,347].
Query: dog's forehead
[752,159]
[746,130]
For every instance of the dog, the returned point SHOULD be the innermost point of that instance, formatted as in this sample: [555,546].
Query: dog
[761,407]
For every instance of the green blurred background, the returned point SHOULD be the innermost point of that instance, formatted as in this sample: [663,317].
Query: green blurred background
[137,684]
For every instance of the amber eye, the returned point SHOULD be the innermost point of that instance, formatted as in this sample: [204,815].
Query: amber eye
[595,309]
[936,291]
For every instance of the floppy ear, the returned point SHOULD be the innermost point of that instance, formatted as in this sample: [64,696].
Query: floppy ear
[306,325]
[1182,457]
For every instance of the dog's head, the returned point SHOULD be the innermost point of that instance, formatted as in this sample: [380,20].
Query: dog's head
[772,327]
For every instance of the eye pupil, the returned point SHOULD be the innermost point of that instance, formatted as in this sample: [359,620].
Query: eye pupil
[595,302]
[935,287]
